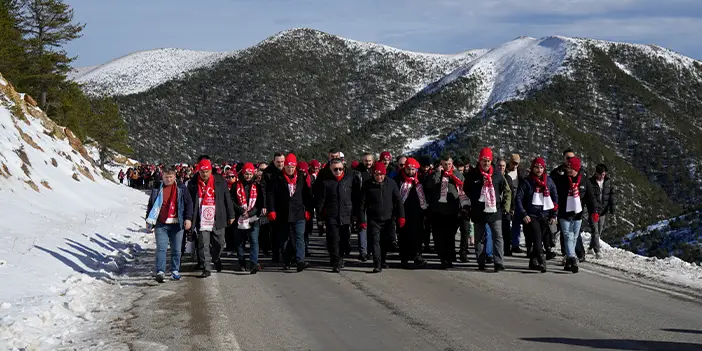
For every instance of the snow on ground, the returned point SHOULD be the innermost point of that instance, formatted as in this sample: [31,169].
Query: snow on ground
[671,270]
[68,234]
[141,71]
[416,144]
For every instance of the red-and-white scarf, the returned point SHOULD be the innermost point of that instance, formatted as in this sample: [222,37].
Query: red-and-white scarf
[292,183]
[542,196]
[445,176]
[407,186]
[487,193]
[206,197]
[241,196]
[573,203]
[172,214]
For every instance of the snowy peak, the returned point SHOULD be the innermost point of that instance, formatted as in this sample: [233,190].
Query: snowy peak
[141,71]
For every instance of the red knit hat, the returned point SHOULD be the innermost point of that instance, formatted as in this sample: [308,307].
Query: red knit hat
[575,164]
[315,164]
[385,156]
[538,162]
[248,167]
[379,168]
[303,166]
[411,163]
[204,165]
[354,164]
[485,153]
[291,160]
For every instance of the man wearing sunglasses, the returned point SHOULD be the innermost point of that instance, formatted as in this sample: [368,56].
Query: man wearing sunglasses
[334,200]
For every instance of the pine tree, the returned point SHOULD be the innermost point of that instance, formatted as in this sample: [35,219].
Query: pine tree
[12,46]
[47,25]
[107,128]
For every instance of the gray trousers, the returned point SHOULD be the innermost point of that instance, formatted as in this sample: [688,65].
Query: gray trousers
[209,247]
[597,230]
[497,240]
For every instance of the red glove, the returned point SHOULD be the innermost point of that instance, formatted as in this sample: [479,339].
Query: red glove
[363,225]
[401,222]
[271,216]
[308,215]
[595,217]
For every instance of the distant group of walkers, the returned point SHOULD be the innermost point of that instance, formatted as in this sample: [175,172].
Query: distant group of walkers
[392,207]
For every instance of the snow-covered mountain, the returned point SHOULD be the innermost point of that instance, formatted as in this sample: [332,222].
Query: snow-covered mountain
[680,236]
[64,224]
[307,91]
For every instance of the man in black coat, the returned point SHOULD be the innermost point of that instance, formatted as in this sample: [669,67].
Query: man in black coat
[415,206]
[213,211]
[334,202]
[604,196]
[380,201]
[574,193]
[362,174]
[273,170]
[289,204]
[487,190]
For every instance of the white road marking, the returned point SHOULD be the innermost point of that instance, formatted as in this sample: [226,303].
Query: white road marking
[219,322]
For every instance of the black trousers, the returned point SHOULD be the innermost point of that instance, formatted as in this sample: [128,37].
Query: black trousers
[507,231]
[380,239]
[410,239]
[264,237]
[334,235]
[465,229]
[539,232]
[444,229]
[427,231]
[229,238]
[308,231]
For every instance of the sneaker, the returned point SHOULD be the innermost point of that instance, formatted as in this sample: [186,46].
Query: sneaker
[160,276]
[550,255]
[205,274]
[377,270]
[542,267]
[175,275]
[517,250]
[336,269]
[302,265]
[255,269]
[499,267]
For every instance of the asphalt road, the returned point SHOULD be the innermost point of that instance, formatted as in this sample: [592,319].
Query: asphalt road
[429,309]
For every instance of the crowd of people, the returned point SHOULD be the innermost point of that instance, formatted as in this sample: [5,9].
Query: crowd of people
[391,207]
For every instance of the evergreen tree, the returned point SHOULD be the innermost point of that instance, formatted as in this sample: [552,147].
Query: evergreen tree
[12,46]
[107,128]
[47,25]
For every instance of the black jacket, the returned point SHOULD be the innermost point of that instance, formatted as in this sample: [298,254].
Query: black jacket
[606,193]
[473,186]
[224,209]
[380,201]
[412,206]
[587,196]
[260,196]
[335,199]
[525,195]
[288,209]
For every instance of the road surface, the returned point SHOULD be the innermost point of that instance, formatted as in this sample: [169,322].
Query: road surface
[429,309]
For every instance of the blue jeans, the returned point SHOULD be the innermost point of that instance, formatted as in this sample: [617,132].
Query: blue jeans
[571,232]
[165,234]
[292,239]
[488,247]
[240,243]
[363,241]
[516,230]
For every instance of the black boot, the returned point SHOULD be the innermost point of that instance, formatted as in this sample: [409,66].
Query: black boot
[205,274]
[463,256]
[255,268]
[574,265]
[218,266]
[302,265]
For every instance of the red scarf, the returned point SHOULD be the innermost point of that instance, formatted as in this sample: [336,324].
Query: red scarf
[292,183]
[573,187]
[406,186]
[168,213]
[241,196]
[487,193]
[487,176]
[206,196]
[449,174]
[339,178]
[541,184]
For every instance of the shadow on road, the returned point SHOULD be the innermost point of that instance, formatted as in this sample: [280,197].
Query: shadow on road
[686,331]
[621,344]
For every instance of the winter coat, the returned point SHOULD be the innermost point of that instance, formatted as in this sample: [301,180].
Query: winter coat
[606,204]
[412,206]
[473,186]
[380,201]
[433,192]
[260,196]
[587,197]
[288,209]
[335,199]
[525,194]
[185,204]
[224,209]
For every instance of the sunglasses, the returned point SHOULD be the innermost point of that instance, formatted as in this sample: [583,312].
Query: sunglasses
[231,177]
[337,169]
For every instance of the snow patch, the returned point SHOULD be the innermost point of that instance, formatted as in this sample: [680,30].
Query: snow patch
[416,144]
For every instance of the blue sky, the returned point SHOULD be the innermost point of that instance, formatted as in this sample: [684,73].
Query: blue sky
[118,27]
